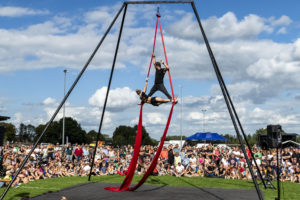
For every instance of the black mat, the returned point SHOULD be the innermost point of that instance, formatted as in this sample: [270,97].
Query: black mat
[96,191]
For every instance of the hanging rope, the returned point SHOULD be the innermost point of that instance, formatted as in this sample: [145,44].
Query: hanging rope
[130,173]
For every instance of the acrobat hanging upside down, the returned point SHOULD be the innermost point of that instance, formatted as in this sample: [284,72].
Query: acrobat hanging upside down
[155,101]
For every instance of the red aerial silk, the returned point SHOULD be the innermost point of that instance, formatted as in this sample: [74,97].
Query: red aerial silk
[155,159]
[130,172]
[131,169]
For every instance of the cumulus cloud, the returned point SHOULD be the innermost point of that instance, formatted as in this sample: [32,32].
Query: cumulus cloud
[87,116]
[255,70]
[119,99]
[9,11]
[282,21]
[225,27]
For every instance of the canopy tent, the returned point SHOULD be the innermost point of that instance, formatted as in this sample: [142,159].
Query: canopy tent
[207,137]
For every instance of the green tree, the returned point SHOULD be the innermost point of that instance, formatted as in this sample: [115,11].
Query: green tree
[124,135]
[92,136]
[22,132]
[73,131]
[10,131]
[52,135]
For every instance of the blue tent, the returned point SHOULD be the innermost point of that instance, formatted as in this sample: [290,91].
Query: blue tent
[207,137]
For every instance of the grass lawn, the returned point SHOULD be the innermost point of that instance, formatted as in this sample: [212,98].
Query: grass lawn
[290,191]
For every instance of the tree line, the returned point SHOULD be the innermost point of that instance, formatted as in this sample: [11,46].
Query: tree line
[122,135]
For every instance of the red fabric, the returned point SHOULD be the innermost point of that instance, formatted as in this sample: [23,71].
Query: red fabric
[131,169]
[153,48]
[154,161]
[163,43]
[122,173]
[130,173]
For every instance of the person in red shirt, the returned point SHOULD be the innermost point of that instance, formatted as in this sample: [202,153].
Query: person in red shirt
[78,153]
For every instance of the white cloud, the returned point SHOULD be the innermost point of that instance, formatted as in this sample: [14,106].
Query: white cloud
[225,27]
[49,101]
[255,70]
[282,30]
[119,99]
[282,21]
[155,118]
[9,11]
[151,119]
[86,116]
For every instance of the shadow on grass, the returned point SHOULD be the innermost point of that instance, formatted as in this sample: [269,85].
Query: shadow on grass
[203,190]
[22,196]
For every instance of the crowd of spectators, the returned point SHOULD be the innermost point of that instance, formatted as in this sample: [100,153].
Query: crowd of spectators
[50,161]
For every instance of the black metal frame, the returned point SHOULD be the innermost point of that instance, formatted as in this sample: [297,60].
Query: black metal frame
[108,88]
[228,101]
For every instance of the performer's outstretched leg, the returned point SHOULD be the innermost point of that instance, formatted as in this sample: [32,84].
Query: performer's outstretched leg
[153,90]
[163,89]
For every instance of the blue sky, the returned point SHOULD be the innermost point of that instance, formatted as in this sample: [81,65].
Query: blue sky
[256,45]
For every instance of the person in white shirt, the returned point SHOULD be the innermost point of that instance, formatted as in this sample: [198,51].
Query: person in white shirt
[179,170]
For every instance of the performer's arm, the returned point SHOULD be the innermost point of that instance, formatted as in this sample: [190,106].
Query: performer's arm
[153,59]
[145,87]
[165,64]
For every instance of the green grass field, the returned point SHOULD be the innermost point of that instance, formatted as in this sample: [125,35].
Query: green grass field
[290,191]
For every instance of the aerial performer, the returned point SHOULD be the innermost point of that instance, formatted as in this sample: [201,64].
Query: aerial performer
[159,78]
[155,101]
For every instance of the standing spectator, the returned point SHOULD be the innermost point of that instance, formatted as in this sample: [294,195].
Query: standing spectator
[176,148]
[170,155]
[86,152]
[78,153]
[164,154]
[185,161]
[182,153]
[69,152]
[50,150]
[177,159]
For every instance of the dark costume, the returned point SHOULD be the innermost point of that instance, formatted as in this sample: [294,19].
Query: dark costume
[154,102]
[159,83]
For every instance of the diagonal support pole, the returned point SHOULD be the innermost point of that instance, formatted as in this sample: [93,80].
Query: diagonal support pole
[240,125]
[242,130]
[108,88]
[61,104]
[226,98]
